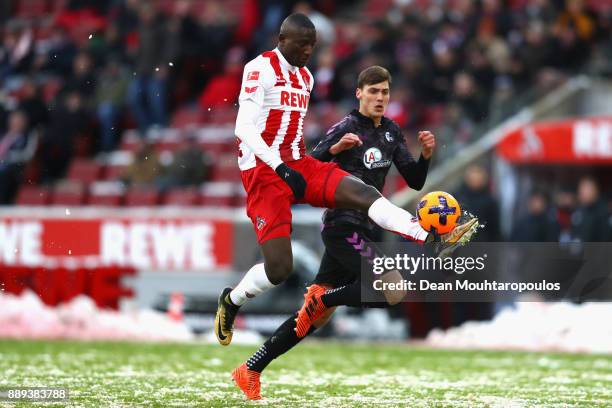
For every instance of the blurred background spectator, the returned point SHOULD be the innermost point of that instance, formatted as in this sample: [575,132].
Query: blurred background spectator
[538,225]
[16,148]
[190,166]
[223,89]
[145,168]
[157,47]
[565,203]
[476,198]
[66,131]
[590,219]
[111,88]
[32,105]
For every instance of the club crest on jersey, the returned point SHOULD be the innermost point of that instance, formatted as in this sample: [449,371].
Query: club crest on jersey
[261,222]
[253,76]
[388,137]
[373,159]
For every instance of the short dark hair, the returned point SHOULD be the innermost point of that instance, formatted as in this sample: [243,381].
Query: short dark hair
[297,21]
[373,75]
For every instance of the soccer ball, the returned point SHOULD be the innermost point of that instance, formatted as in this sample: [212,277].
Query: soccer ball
[438,210]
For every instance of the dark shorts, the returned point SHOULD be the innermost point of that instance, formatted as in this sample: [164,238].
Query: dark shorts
[345,248]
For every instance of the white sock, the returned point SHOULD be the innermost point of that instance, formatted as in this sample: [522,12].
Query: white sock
[254,282]
[397,220]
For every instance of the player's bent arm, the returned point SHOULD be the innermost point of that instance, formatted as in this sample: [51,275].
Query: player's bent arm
[321,151]
[414,172]
[246,131]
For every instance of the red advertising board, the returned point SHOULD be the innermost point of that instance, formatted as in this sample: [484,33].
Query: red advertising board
[577,141]
[144,243]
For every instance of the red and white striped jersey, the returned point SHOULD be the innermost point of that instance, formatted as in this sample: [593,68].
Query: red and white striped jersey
[283,92]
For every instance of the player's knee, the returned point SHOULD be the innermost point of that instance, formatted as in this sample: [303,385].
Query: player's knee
[369,195]
[371,192]
[279,269]
[354,193]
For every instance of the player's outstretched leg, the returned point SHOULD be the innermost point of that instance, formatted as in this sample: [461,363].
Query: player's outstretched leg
[277,266]
[247,375]
[355,194]
[319,300]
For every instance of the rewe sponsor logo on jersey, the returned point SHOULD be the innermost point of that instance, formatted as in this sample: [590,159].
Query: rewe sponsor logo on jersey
[373,159]
[294,99]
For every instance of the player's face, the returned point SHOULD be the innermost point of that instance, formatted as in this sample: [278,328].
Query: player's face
[297,46]
[373,99]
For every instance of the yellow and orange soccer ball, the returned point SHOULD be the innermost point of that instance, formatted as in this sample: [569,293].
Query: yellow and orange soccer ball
[438,210]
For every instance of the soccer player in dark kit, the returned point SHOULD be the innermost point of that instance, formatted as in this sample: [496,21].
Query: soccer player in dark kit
[365,144]
[277,173]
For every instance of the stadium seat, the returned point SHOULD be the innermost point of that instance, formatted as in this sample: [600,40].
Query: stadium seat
[86,171]
[225,168]
[105,200]
[434,115]
[187,116]
[138,196]
[219,147]
[240,198]
[221,115]
[376,9]
[113,172]
[106,193]
[68,193]
[218,194]
[166,6]
[182,197]
[58,5]
[31,8]
[33,195]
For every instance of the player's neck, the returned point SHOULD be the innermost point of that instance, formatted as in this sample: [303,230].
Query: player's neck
[376,120]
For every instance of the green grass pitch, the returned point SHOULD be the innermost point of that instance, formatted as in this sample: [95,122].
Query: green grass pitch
[317,374]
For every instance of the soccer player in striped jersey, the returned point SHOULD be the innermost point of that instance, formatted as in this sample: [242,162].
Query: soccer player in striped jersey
[276,173]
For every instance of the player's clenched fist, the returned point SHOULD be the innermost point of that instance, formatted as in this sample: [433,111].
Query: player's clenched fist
[347,141]
[427,140]
[294,179]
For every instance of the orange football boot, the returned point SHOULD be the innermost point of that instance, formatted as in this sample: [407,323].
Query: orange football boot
[248,381]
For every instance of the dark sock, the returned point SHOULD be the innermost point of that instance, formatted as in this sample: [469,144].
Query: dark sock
[349,295]
[283,340]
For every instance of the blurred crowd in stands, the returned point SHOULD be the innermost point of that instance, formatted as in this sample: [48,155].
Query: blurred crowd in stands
[75,74]
[577,212]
